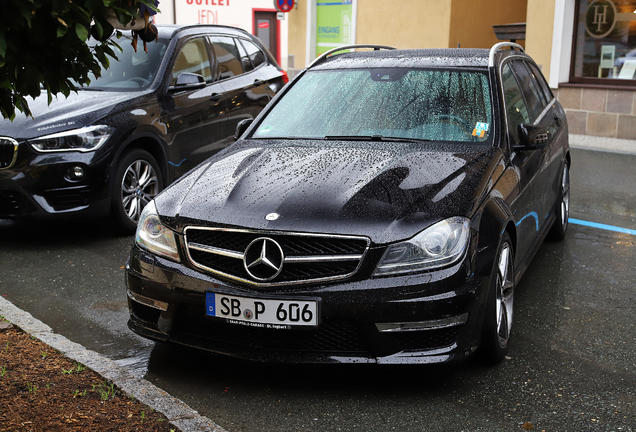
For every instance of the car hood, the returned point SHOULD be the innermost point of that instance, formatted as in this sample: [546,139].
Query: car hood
[64,113]
[386,191]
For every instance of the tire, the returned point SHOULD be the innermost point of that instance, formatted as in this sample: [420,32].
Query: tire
[137,180]
[499,306]
[560,226]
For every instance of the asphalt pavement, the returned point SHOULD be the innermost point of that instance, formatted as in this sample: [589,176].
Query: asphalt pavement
[132,381]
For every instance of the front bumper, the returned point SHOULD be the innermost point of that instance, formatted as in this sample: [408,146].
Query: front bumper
[428,318]
[43,186]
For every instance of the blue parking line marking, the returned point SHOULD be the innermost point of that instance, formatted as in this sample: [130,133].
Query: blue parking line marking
[603,226]
[174,164]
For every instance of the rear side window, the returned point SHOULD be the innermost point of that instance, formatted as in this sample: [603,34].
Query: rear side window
[227,55]
[257,57]
[245,60]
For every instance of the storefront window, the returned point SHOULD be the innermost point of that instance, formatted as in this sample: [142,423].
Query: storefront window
[605,42]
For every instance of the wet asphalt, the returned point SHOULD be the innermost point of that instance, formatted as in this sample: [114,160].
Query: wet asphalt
[571,365]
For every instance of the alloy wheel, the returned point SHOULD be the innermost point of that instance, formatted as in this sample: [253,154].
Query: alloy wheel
[505,295]
[565,200]
[139,186]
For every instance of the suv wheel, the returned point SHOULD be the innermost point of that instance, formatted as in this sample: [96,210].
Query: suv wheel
[136,182]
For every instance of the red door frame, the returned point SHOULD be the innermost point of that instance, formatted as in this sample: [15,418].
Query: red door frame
[277,30]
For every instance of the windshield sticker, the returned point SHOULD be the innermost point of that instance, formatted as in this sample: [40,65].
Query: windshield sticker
[480,130]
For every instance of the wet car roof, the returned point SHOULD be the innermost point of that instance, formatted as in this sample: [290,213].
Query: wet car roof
[167,31]
[449,57]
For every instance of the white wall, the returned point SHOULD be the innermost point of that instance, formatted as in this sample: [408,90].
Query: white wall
[562,42]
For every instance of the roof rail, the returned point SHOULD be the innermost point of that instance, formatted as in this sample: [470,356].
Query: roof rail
[346,47]
[499,46]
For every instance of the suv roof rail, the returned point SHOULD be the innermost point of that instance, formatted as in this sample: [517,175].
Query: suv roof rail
[500,46]
[346,47]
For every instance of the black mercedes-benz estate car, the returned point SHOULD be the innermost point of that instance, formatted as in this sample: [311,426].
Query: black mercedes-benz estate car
[112,146]
[381,209]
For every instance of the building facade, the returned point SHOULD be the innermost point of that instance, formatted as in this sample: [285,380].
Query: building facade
[586,48]
[258,17]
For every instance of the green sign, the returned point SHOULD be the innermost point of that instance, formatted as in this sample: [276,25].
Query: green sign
[334,25]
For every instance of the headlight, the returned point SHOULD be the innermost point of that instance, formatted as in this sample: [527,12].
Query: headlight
[439,245]
[153,236]
[86,139]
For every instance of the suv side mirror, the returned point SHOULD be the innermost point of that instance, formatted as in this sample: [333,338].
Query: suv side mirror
[531,137]
[188,81]
[241,127]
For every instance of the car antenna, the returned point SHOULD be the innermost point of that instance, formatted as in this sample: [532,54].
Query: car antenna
[457,44]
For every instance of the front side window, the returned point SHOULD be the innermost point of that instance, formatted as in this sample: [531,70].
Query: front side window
[605,42]
[533,94]
[541,83]
[430,105]
[515,105]
[193,58]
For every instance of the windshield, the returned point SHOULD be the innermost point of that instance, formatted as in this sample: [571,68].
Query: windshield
[432,105]
[133,70]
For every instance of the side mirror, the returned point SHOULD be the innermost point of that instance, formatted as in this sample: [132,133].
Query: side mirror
[531,137]
[241,127]
[188,81]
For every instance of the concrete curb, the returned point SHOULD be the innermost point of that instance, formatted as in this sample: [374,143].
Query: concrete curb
[614,145]
[179,414]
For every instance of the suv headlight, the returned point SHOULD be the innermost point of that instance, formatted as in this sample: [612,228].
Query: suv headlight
[85,139]
[153,236]
[439,245]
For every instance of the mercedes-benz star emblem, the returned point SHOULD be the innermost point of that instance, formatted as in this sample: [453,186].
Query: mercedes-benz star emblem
[263,259]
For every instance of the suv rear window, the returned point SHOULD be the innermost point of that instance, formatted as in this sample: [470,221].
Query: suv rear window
[435,105]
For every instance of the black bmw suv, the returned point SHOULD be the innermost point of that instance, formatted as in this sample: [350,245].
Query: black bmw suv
[381,209]
[112,146]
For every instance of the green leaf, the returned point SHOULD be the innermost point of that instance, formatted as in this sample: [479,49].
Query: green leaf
[81,31]
[61,31]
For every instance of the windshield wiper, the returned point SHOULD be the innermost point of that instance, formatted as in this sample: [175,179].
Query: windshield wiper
[378,138]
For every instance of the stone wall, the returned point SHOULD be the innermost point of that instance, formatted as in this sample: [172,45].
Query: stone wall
[609,113]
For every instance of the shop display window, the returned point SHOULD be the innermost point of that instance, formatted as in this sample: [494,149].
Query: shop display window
[605,42]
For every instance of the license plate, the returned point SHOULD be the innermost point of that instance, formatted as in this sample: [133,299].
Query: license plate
[260,312]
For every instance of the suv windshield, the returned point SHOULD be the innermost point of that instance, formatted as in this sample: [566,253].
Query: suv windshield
[134,70]
[431,105]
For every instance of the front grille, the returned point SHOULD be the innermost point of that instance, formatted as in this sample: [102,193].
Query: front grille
[66,198]
[306,258]
[8,152]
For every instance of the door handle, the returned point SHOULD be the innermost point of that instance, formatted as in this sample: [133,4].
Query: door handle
[557,120]
[215,97]
[258,83]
